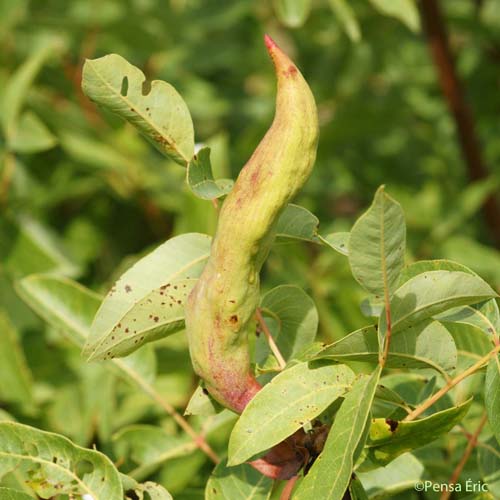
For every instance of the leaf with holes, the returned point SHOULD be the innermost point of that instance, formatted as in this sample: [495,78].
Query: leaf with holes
[241,481]
[377,245]
[294,397]
[201,180]
[158,112]
[339,454]
[52,465]
[178,259]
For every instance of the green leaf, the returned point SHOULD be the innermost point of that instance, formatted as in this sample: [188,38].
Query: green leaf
[292,13]
[149,447]
[9,494]
[356,490]
[19,83]
[338,455]
[159,314]
[28,247]
[347,18]
[388,439]
[180,258]
[404,10]
[338,241]
[377,245]
[242,482]
[297,223]
[201,403]
[15,376]
[292,318]
[423,266]
[431,293]
[200,178]
[468,315]
[159,113]
[31,135]
[400,475]
[425,345]
[492,395]
[154,491]
[70,307]
[52,465]
[489,466]
[294,397]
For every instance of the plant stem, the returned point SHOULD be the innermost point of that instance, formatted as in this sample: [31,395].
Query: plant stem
[460,466]
[286,494]
[452,383]
[453,94]
[198,439]
[383,359]
[270,340]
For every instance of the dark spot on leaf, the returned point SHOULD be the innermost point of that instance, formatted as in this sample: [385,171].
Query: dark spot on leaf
[156,318]
[128,288]
[205,391]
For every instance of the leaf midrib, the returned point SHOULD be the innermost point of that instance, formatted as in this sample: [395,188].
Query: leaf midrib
[287,408]
[130,104]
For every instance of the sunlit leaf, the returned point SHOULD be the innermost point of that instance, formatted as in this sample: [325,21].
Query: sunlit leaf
[338,455]
[52,465]
[377,245]
[158,112]
[294,397]
[178,259]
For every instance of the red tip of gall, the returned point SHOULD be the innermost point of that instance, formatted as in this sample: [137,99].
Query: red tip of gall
[270,44]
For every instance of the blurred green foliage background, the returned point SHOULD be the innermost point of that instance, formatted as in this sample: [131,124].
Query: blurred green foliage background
[82,194]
